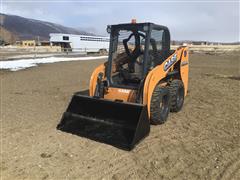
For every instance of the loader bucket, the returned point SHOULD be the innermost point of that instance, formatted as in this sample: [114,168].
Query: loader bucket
[119,124]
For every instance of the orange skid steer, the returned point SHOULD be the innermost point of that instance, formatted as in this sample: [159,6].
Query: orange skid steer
[139,84]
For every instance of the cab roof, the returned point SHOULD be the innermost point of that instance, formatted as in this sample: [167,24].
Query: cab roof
[140,25]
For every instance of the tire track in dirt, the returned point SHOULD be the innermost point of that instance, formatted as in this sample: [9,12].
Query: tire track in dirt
[113,163]
[232,168]
[147,162]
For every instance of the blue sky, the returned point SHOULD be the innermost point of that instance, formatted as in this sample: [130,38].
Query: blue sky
[187,20]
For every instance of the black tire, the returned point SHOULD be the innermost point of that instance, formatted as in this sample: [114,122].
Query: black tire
[176,89]
[160,103]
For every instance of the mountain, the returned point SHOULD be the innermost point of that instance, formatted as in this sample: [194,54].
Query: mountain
[19,28]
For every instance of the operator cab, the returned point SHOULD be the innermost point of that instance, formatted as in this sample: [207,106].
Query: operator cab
[135,49]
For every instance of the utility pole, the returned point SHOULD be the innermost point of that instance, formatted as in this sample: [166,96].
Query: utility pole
[38,43]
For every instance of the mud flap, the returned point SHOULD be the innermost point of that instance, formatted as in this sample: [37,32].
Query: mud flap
[119,124]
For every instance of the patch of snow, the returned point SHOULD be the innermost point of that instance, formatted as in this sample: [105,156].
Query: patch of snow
[26,63]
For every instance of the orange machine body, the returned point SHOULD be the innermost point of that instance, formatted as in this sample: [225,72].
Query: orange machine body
[154,77]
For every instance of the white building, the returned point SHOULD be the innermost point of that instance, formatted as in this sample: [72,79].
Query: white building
[80,43]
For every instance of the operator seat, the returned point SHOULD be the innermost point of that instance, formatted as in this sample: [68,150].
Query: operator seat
[158,55]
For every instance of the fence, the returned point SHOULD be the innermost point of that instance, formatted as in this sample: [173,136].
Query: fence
[211,48]
[15,52]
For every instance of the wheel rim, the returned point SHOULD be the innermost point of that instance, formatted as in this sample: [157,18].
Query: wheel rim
[180,96]
[164,104]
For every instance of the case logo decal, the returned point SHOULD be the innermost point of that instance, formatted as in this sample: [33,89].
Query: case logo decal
[124,91]
[170,62]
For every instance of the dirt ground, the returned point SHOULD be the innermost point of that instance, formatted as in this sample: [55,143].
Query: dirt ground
[200,142]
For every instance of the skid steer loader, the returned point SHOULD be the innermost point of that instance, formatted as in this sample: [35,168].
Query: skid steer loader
[139,84]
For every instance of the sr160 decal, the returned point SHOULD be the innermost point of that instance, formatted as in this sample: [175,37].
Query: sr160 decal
[170,62]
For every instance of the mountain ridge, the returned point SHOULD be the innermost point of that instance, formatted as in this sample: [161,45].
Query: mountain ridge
[15,28]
